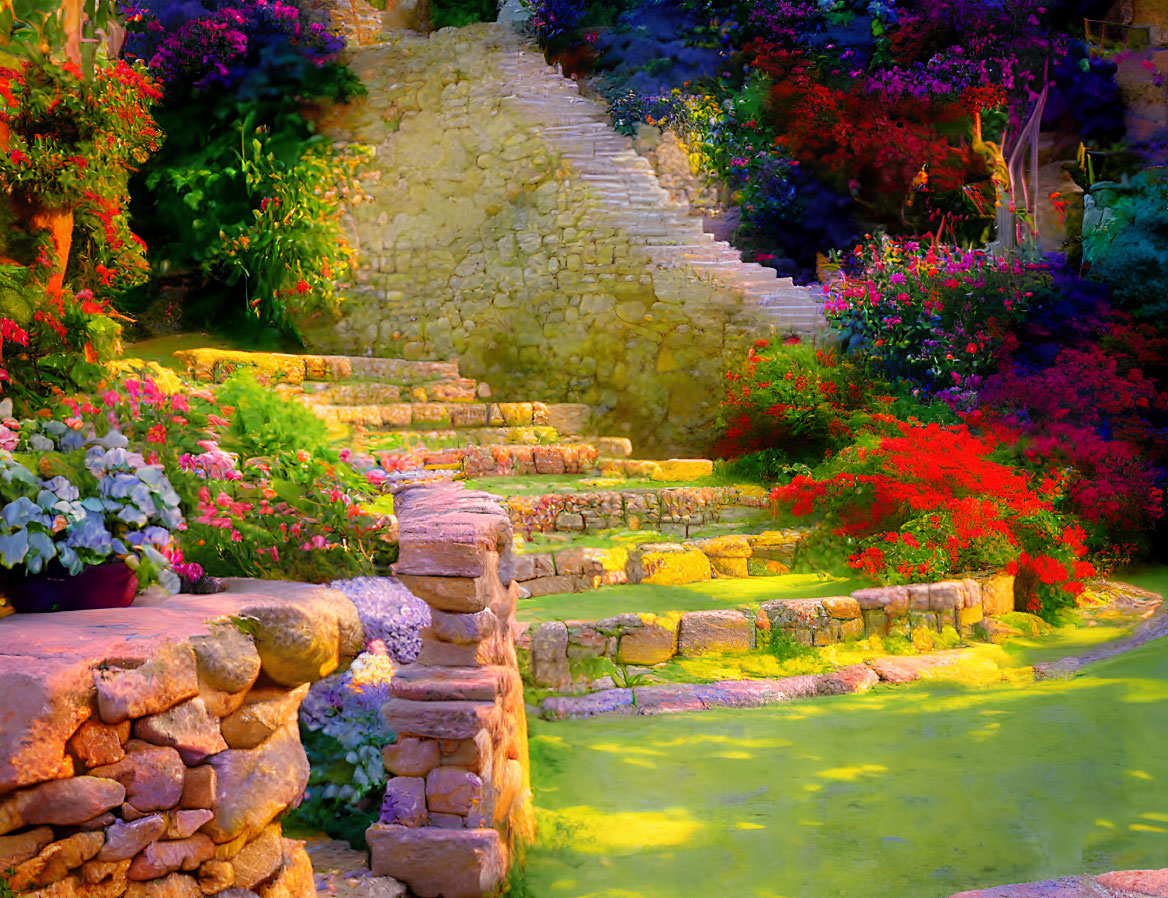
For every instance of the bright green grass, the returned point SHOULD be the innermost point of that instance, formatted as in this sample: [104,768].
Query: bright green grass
[540,543]
[650,598]
[1153,578]
[162,349]
[922,790]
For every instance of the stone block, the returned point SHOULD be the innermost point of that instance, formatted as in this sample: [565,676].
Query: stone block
[263,712]
[168,678]
[254,785]
[161,858]
[703,632]
[55,861]
[411,757]
[96,743]
[183,824]
[946,595]
[651,644]
[199,786]
[614,447]
[227,659]
[124,840]
[892,600]
[682,469]
[260,859]
[187,728]
[451,790]
[793,614]
[176,885]
[153,777]
[215,876]
[433,862]
[918,597]
[997,594]
[547,586]
[18,848]
[463,629]
[673,567]
[295,878]
[529,567]
[549,655]
[841,607]
[405,800]
[438,720]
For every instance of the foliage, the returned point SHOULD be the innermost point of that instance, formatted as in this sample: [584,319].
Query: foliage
[265,423]
[930,502]
[796,401]
[456,13]
[343,733]
[1130,252]
[555,22]
[931,313]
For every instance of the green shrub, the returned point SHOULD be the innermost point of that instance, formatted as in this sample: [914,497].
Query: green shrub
[267,424]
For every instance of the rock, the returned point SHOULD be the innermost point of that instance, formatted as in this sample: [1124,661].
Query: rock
[549,586]
[295,643]
[432,862]
[702,632]
[997,594]
[670,564]
[846,680]
[153,777]
[187,727]
[97,871]
[176,885]
[892,600]
[528,567]
[896,670]
[254,785]
[647,645]
[606,701]
[60,802]
[411,757]
[184,824]
[160,858]
[18,848]
[841,607]
[259,859]
[263,712]
[683,469]
[438,720]
[458,595]
[450,790]
[55,861]
[420,683]
[463,629]
[549,655]
[295,879]
[405,801]
[614,447]
[169,677]
[199,786]
[97,743]
[227,658]
[215,876]
[124,840]
[1141,882]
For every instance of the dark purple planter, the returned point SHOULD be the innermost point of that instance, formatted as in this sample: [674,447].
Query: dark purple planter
[111,585]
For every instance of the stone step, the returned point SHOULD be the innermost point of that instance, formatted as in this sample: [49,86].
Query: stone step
[462,389]
[215,365]
[565,418]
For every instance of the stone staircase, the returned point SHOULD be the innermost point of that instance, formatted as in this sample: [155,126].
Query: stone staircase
[630,196]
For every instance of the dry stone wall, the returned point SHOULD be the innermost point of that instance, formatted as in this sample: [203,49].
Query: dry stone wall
[149,752]
[482,243]
[458,810]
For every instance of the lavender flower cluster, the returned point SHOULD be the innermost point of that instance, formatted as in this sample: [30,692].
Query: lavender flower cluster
[390,613]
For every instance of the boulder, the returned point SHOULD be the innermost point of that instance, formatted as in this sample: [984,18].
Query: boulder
[66,802]
[263,712]
[438,720]
[295,879]
[55,861]
[124,840]
[153,777]
[160,858]
[549,655]
[227,658]
[169,677]
[176,885]
[433,862]
[97,743]
[651,644]
[702,632]
[187,727]
[18,848]
[259,859]
[255,785]
[411,757]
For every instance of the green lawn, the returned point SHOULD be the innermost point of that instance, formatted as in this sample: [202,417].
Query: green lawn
[540,484]
[649,598]
[162,349]
[921,790]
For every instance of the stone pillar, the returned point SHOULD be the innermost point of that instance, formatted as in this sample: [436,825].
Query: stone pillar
[458,805]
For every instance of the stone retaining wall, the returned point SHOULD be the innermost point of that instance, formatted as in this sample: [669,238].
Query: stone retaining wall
[149,751]
[458,807]
[563,652]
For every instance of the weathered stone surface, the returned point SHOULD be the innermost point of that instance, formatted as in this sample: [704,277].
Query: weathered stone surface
[549,655]
[421,683]
[199,785]
[713,631]
[96,743]
[124,840]
[176,885]
[463,629]
[614,447]
[259,859]
[18,848]
[997,594]
[606,701]
[1141,882]
[458,595]
[433,862]
[227,658]
[55,861]
[647,645]
[1069,887]
[528,567]
[405,801]
[215,876]
[60,802]
[262,713]
[438,720]
[160,858]
[187,728]
[296,645]
[439,653]
[549,586]
[169,677]
[295,879]
[411,757]
[153,777]
[846,680]
[95,871]
[794,614]
[892,600]
[185,823]
[254,785]
[841,607]
[450,790]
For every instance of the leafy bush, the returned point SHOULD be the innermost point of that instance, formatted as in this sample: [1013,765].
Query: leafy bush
[456,13]
[265,423]
[931,502]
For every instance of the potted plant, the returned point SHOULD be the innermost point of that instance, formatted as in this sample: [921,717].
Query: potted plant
[84,523]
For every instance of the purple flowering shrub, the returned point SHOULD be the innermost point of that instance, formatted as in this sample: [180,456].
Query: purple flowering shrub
[390,613]
[555,21]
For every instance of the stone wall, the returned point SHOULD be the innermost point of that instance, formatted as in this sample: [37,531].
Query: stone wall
[149,751]
[482,243]
[458,810]
[562,651]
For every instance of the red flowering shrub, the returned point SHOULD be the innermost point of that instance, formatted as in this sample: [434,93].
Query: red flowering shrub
[931,502]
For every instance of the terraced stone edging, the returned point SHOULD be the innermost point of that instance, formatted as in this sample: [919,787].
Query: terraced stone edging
[1118,884]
